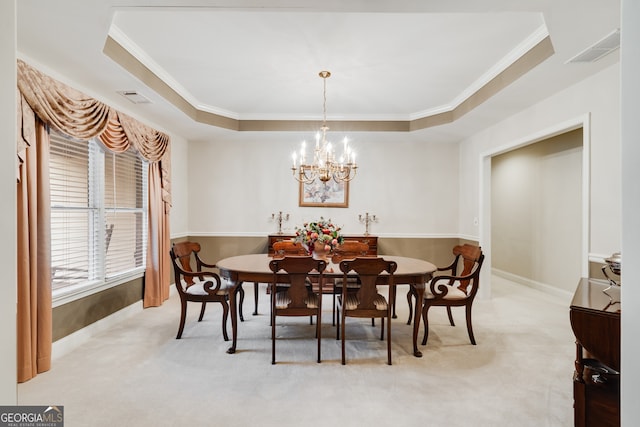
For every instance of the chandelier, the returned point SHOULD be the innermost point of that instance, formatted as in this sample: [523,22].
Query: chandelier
[324,165]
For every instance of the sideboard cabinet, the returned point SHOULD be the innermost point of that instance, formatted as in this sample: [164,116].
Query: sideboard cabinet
[595,320]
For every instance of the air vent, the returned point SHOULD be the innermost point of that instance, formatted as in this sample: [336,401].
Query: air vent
[601,48]
[134,97]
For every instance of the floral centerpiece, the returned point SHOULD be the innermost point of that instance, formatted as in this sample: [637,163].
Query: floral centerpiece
[319,236]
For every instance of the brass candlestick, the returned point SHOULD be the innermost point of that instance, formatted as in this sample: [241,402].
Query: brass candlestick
[280,217]
[366,220]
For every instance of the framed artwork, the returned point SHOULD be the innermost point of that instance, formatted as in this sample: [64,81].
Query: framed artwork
[330,194]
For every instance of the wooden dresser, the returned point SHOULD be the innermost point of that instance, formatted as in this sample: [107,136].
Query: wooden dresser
[370,240]
[595,320]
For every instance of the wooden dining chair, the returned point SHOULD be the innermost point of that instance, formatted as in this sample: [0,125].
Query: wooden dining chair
[280,248]
[457,287]
[298,299]
[349,249]
[199,285]
[288,247]
[365,301]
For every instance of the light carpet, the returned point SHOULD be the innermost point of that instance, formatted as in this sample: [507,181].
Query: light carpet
[137,374]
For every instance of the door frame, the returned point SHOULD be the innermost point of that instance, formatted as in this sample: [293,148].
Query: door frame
[584,122]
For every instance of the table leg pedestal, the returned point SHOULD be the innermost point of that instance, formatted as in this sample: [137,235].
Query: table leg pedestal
[234,317]
[416,319]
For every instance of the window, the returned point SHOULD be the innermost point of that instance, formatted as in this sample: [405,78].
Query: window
[98,215]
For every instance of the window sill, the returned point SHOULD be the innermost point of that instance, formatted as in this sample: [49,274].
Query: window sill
[72,293]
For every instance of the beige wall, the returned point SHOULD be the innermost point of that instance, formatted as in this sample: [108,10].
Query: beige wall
[235,186]
[435,250]
[594,102]
[536,211]
[598,100]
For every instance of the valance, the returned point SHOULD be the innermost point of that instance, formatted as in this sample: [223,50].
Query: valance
[62,107]
[80,116]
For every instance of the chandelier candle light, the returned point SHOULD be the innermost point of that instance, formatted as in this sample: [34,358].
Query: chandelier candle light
[324,165]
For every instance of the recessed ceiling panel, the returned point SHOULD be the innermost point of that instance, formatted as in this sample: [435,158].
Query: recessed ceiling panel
[263,65]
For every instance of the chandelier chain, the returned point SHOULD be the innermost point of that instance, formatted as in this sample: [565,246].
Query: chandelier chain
[324,103]
[325,166]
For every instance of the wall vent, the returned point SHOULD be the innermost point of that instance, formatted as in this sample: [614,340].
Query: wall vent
[608,44]
[134,97]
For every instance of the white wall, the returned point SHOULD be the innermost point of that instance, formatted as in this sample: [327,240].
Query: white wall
[179,216]
[599,97]
[630,88]
[236,186]
[536,212]
[8,375]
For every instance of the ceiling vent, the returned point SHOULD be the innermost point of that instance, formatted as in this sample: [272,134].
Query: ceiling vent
[134,97]
[608,44]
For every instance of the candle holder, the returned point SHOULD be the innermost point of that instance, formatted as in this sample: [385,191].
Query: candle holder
[367,220]
[280,217]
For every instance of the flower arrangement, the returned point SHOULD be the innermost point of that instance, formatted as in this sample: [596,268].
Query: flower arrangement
[323,232]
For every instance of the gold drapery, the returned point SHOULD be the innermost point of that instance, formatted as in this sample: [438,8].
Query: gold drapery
[34,324]
[48,102]
[61,107]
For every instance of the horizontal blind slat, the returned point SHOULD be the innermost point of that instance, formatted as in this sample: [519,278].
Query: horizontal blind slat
[98,219]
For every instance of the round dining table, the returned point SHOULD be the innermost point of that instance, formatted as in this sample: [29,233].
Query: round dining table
[255,268]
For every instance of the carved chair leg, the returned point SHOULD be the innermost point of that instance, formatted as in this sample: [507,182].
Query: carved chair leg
[392,301]
[225,315]
[469,327]
[450,315]
[255,298]
[204,305]
[344,359]
[183,316]
[410,302]
[241,292]
[389,340]
[382,328]
[319,330]
[333,317]
[273,334]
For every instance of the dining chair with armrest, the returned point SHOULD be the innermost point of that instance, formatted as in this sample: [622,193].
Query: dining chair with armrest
[365,301]
[456,288]
[297,299]
[199,285]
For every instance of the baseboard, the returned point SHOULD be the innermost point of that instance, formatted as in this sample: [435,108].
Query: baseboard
[72,341]
[546,288]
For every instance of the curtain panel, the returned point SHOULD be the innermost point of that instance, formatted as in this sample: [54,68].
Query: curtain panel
[34,322]
[43,102]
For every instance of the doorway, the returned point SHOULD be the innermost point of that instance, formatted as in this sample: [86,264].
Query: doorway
[536,204]
[578,145]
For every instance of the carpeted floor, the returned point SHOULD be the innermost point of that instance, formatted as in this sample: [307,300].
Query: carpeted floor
[137,374]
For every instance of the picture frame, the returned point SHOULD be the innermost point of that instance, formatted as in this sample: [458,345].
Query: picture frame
[329,194]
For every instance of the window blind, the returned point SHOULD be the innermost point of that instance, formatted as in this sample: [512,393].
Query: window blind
[124,212]
[98,213]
